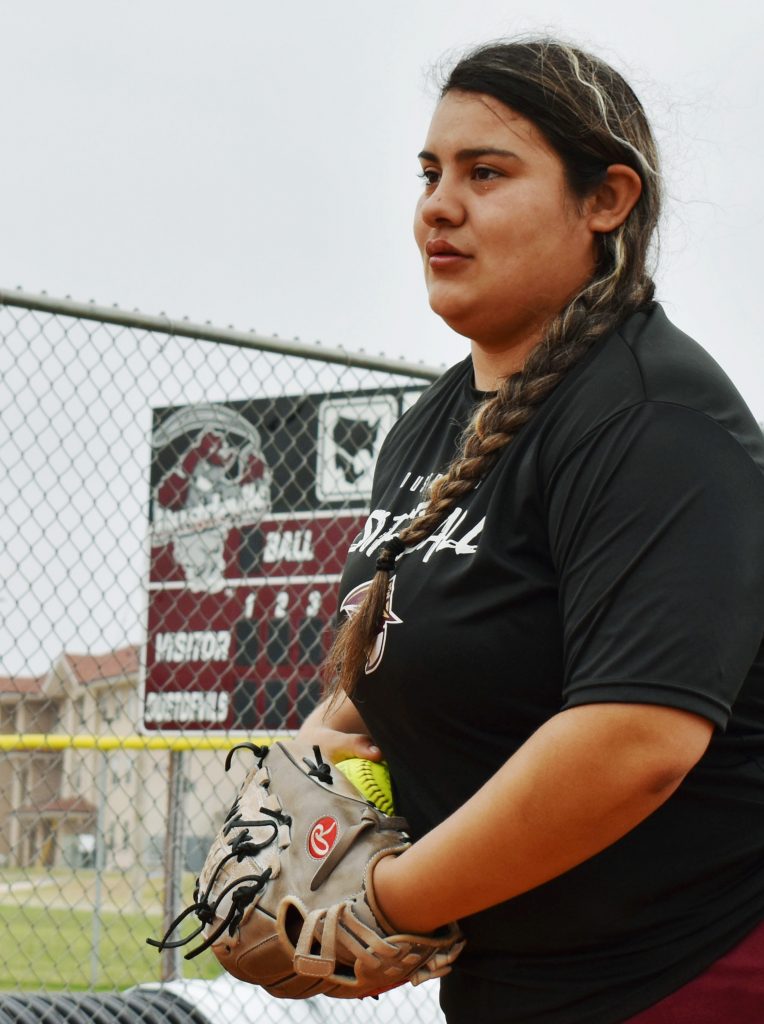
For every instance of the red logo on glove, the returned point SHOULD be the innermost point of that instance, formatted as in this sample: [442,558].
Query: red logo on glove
[322,837]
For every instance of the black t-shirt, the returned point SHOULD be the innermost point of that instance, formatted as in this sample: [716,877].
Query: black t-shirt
[614,553]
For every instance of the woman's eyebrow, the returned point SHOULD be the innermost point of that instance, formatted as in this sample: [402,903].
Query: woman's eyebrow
[471,154]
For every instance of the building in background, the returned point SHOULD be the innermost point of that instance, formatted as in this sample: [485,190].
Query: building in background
[50,800]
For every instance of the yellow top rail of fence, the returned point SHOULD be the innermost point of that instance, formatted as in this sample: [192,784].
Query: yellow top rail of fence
[64,741]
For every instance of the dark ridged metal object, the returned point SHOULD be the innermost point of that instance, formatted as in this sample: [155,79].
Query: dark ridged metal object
[139,1006]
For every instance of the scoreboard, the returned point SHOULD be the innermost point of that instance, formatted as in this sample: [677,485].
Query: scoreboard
[253,506]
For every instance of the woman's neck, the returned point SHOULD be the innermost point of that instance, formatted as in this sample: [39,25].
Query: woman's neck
[491,364]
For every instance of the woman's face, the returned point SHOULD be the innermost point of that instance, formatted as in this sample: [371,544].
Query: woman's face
[504,243]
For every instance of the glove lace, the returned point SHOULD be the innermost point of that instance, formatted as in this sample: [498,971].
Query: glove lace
[320,770]
[207,912]
[259,752]
[238,822]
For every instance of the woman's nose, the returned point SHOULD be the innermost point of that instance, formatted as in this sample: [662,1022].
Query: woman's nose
[442,206]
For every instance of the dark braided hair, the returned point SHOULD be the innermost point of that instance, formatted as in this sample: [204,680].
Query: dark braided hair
[591,117]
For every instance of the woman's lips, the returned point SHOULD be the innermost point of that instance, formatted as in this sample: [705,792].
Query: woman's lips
[442,255]
[444,260]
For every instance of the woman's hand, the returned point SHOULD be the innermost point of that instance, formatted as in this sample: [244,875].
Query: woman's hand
[336,745]
[339,731]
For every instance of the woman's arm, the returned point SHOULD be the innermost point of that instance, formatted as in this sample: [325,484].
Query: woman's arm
[339,731]
[584,779]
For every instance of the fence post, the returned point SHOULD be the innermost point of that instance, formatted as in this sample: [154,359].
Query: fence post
[100,861]
[173,875]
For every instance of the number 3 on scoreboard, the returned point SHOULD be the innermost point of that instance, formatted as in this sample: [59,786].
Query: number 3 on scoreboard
[310,631]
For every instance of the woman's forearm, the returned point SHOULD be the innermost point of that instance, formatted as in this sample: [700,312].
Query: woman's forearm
[583,780]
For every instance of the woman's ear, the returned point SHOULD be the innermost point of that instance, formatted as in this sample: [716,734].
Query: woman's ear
[614,199]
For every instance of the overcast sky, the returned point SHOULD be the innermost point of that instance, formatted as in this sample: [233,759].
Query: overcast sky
[254,164]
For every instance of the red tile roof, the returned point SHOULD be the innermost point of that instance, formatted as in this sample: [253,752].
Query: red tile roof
[90,668]
[87,668]
[21,684]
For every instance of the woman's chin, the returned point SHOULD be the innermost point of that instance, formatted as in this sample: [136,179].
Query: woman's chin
[454,314]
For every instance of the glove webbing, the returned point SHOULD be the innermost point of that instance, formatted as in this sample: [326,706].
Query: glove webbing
[253,847]
[207,912]
[242,846]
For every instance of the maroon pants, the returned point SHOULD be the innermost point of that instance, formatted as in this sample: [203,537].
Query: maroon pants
[731,991]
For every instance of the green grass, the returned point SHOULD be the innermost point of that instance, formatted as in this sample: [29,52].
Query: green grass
[50,949]
[45,887]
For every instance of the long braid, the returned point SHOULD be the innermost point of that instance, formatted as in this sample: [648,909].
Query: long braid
[621,285]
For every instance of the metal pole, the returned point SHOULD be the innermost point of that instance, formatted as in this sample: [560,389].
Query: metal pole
[100,859]
[87,741]
[222,335]
[171,968]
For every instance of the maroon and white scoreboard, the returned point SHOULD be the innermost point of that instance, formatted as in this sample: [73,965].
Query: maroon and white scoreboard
[253,506]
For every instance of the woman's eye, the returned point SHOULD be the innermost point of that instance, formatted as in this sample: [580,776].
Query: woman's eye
[429,176]
[484,174]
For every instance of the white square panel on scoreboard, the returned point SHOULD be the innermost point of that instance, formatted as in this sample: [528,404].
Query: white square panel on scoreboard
[350,434]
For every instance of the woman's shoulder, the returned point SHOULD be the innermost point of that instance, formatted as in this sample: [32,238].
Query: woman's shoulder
[675,368]
[649,361]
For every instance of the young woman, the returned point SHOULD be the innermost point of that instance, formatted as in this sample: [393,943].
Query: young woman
[553,619]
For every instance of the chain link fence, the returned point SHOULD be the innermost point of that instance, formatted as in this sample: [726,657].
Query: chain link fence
[177,504]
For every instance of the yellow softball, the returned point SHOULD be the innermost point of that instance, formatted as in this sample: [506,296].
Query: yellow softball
[371,779]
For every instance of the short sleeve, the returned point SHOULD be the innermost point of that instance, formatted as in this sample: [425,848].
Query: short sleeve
[657,531]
